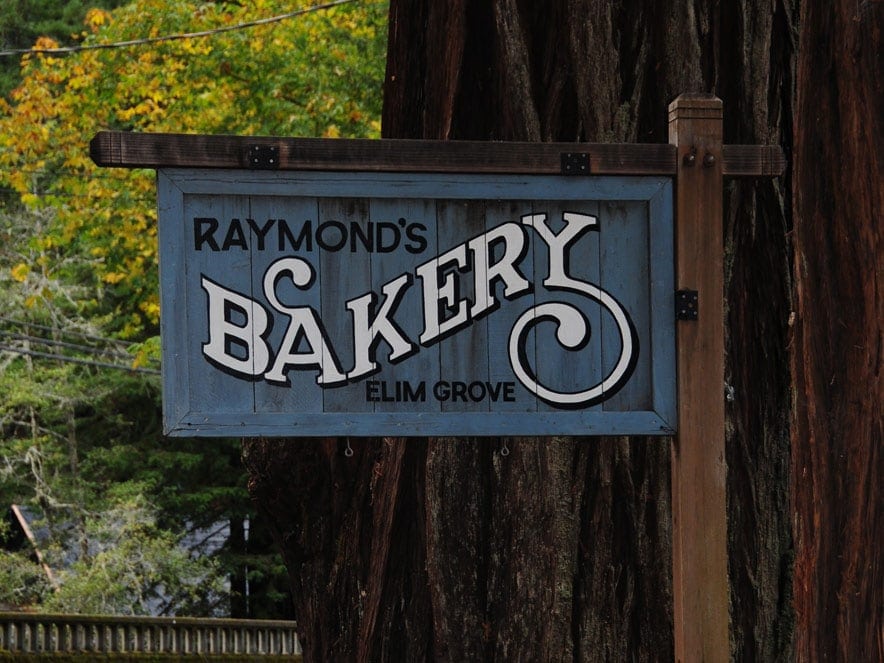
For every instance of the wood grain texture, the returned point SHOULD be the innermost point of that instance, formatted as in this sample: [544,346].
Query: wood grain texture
[134,150]
[224,231]
[699,513]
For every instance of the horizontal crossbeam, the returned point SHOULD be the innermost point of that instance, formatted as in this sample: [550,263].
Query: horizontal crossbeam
[144,150]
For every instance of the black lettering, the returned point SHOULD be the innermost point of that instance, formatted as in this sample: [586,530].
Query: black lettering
[379,244]
[203,235]
[398,391]
[509,392]
[322,235]
[419,241]
[238,316]
[412,395]
[304,237]
[364,235]
[261,231]
[385,397]
[235,236]
[458,391]
[476,391]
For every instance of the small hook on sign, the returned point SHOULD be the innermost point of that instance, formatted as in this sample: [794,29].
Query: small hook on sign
[348,452]
[504,450]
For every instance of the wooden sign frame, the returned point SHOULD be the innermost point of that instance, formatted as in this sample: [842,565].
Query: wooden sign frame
[465,378]
[698,160]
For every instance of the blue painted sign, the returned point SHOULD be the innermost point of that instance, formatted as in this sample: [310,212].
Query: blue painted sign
[334,303]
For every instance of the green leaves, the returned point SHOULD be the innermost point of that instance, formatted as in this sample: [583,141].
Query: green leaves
[78,255]
[135,568]
[21,581]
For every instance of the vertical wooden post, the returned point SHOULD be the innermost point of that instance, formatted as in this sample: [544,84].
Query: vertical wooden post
[699,525]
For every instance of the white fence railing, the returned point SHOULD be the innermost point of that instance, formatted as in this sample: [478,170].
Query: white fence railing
[38,633]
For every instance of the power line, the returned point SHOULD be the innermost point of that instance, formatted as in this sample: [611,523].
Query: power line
[187,35]
[92,350]
[76,360]
[86,349]
[66,332]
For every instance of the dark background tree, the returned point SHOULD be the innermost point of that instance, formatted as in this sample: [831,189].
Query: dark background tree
[445,549]
[837,460]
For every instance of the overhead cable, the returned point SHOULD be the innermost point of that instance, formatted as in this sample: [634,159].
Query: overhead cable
[67,332]
[86,349]
[77,360]
[188,35]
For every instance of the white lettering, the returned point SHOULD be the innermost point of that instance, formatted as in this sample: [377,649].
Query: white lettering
[238,326]
[368,330]
[515,246]
[445,294]
[225,334]
[573,329]
[304,328]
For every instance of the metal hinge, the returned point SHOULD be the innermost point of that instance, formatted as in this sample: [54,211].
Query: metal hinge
[575,163]
[263,157]
[687,305]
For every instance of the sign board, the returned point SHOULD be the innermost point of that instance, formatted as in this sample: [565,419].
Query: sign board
[305,303]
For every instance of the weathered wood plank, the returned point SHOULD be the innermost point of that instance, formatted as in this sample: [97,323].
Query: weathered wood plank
[620,252]
[422,424]
[139,150]
[500,322]
[214,392]
[699,514]
[350,266]
[662,268]
[424,366]
[294,387]
[558,366]
[173,327]
[466,352]
[456,255]
[753,161]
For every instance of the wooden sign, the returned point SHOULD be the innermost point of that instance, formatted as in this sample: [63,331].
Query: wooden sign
[460,288]
[415,303]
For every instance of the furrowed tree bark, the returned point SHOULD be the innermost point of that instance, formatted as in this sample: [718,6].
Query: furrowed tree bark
[837,461]
[758,50]
[447,549]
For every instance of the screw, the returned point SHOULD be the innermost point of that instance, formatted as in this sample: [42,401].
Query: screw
[708,160]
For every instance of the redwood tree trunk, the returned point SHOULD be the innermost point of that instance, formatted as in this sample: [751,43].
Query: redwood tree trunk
[447,549]
[838,464]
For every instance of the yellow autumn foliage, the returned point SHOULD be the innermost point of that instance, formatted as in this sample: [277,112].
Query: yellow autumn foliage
[20,272]
[318,73]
